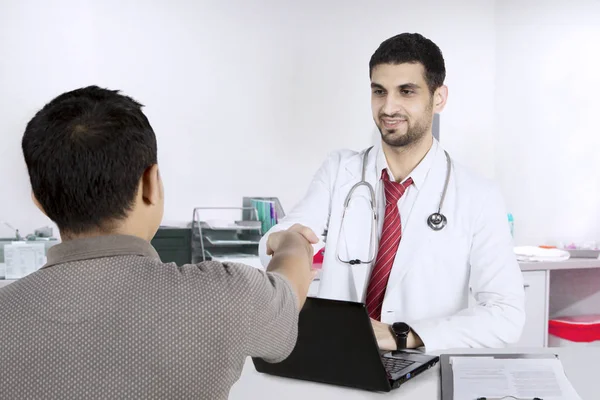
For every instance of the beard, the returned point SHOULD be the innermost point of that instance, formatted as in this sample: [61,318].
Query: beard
[415,131]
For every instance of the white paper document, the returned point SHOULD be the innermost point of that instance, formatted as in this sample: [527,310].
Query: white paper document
[23,258]
[490,377]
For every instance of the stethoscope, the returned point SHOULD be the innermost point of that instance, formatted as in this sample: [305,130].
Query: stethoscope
[436,221]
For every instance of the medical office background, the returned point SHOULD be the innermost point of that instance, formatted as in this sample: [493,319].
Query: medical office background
[247,98]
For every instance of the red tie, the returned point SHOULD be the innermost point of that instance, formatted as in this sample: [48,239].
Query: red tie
[388,245]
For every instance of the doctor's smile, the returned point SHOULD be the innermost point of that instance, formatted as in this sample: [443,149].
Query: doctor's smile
[392,123]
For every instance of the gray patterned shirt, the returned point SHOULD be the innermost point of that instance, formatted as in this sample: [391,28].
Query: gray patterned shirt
[105,318]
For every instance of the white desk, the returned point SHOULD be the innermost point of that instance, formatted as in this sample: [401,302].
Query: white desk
[580,366]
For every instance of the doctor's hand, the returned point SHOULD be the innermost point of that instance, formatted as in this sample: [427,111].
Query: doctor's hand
[385,338]
[293,258]
[276,239]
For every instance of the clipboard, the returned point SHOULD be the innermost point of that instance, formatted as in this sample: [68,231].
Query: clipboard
[447,377]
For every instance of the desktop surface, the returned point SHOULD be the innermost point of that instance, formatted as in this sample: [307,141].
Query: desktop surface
[580,364]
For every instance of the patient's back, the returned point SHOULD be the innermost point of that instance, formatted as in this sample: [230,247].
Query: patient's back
[105,318]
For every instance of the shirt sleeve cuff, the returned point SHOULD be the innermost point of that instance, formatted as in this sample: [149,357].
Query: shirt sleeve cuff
[430,336]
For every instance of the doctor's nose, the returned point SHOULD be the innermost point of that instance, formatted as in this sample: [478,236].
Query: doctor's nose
[391,106]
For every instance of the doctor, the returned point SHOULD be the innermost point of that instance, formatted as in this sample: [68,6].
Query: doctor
[407,230]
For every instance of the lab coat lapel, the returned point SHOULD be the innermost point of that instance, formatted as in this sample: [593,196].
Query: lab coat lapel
[416,232]
[353,171]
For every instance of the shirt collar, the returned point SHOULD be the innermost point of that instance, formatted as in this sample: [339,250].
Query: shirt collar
[418,174]
[98,247]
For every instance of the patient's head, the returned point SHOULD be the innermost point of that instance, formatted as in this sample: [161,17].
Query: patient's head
[91,156]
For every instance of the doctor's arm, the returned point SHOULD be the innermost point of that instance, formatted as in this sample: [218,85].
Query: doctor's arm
[498,317]
[312,211]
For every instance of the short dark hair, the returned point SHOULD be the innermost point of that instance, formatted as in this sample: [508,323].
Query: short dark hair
[86,152]
[412,48]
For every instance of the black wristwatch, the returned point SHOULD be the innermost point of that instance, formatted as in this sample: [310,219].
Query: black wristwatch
[400,331]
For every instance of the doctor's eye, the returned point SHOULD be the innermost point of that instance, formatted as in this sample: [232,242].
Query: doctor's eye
[378,92]
[407,92]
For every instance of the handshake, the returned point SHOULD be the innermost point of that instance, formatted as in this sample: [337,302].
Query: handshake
[292,253]
[297,235]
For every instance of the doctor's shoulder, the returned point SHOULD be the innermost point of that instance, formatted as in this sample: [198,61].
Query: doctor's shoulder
[340,156]
[336,161]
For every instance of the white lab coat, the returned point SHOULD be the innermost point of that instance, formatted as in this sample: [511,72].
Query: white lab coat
[433,272]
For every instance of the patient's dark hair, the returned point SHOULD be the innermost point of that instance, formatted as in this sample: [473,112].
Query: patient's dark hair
[412,48]
[86,152]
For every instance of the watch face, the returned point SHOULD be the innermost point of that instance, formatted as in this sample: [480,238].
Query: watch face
[401,328]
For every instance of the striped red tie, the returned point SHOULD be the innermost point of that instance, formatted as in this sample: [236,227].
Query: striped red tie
[388,245]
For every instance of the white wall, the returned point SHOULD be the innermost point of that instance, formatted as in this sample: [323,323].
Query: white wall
[246,98]
[547,142]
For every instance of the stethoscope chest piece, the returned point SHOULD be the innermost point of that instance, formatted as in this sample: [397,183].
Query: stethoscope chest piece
[437,221]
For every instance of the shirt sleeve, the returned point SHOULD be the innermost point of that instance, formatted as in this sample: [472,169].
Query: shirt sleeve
[256,311]
[273,316]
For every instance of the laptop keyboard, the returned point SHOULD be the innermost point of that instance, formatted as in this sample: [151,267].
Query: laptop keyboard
[394,365]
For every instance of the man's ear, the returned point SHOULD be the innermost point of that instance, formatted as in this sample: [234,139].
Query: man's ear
[440,96]
[151,185]
[37,203]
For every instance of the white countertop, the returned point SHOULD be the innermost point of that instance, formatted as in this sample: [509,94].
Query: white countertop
[580,364]
[572,263]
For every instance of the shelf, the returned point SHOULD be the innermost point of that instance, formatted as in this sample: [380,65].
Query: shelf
[226,233]
[229,226]
[234,255]
[230,242]
[214,254]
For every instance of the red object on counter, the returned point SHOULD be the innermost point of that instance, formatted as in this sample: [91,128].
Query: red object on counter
[318,259]
[582,329]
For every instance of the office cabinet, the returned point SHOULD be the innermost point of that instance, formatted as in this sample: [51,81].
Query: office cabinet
[535,332]
[173,245]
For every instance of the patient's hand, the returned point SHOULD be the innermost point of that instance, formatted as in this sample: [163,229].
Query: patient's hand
[276,239]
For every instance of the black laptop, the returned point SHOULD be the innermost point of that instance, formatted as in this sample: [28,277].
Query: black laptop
[336,345]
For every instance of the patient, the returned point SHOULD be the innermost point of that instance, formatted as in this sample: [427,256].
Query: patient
[105,318]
